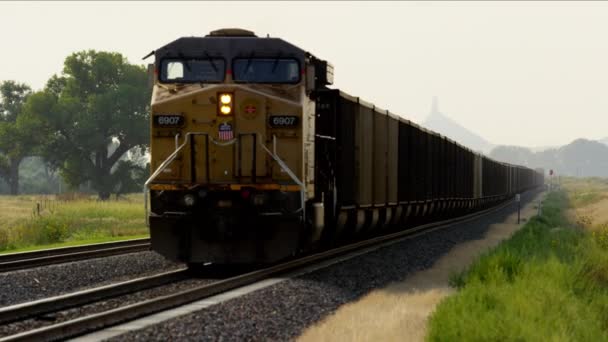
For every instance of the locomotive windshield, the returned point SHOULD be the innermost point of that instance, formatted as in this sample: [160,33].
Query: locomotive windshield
[192,70]
[266,70]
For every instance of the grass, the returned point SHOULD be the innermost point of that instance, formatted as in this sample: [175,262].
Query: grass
[61,223]
[548,282]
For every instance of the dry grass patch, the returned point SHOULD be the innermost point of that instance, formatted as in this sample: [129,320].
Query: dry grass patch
[588,200]
[388,316]
[15,208]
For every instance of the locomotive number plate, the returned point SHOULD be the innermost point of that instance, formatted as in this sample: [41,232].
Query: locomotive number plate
[168,120]
[283,121]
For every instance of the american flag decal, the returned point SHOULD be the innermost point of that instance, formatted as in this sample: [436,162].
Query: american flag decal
[225,131]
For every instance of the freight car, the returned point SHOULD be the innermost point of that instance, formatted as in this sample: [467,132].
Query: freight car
[255,159]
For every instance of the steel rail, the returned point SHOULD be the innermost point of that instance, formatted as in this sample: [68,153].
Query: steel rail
[16,261]
[43,306]
[130,312]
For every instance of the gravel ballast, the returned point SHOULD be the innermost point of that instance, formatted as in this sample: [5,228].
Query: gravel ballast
[283,311]
[46,281]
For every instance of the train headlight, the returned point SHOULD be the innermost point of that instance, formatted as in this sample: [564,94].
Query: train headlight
[225,103]
[226,110]
[189,200]
[226,99]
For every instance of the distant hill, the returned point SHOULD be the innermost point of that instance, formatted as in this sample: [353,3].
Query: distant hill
[582,157]
[604,141]
[442,124]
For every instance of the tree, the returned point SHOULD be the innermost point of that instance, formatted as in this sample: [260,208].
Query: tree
[99,99]
[20,131]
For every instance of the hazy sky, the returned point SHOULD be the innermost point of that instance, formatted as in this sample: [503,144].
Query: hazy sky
[532,74]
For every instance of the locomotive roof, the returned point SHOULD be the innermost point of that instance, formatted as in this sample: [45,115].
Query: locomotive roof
[227,44]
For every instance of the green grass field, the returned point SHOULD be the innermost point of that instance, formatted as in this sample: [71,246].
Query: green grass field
[65,223]
[549,282]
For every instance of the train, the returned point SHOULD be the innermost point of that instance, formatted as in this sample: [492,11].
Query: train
[256,159]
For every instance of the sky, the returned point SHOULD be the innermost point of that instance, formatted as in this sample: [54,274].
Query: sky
[517,73]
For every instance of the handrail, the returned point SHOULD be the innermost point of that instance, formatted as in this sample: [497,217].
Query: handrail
[173,155]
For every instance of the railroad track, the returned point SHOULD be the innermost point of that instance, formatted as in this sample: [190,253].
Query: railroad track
[101,320]
[22,260]
[44,306]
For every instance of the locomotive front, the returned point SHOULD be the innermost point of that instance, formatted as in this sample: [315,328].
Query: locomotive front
[232,149]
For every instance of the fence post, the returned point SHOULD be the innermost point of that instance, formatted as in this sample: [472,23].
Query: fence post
[518,200]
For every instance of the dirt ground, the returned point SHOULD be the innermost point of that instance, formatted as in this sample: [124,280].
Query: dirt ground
[400,311]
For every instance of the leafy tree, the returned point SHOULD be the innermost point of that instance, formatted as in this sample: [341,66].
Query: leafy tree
[99,99]
[20,131]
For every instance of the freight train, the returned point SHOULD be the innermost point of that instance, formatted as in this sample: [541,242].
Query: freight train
[255,159]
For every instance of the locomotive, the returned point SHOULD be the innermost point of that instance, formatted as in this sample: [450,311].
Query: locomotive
[254,158]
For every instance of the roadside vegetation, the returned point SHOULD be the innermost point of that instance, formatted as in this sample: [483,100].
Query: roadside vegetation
[33,222]
[548,282]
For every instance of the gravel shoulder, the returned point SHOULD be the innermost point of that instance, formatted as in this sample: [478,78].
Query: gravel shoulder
[283,311]
[41,282]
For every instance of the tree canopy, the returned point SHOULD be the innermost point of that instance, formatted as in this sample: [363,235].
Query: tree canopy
[99,100]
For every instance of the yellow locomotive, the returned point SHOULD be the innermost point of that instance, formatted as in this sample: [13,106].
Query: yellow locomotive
[232,147]
[254,159]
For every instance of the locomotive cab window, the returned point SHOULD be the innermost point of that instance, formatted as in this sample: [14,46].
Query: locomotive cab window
[266,70]
[192,70]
